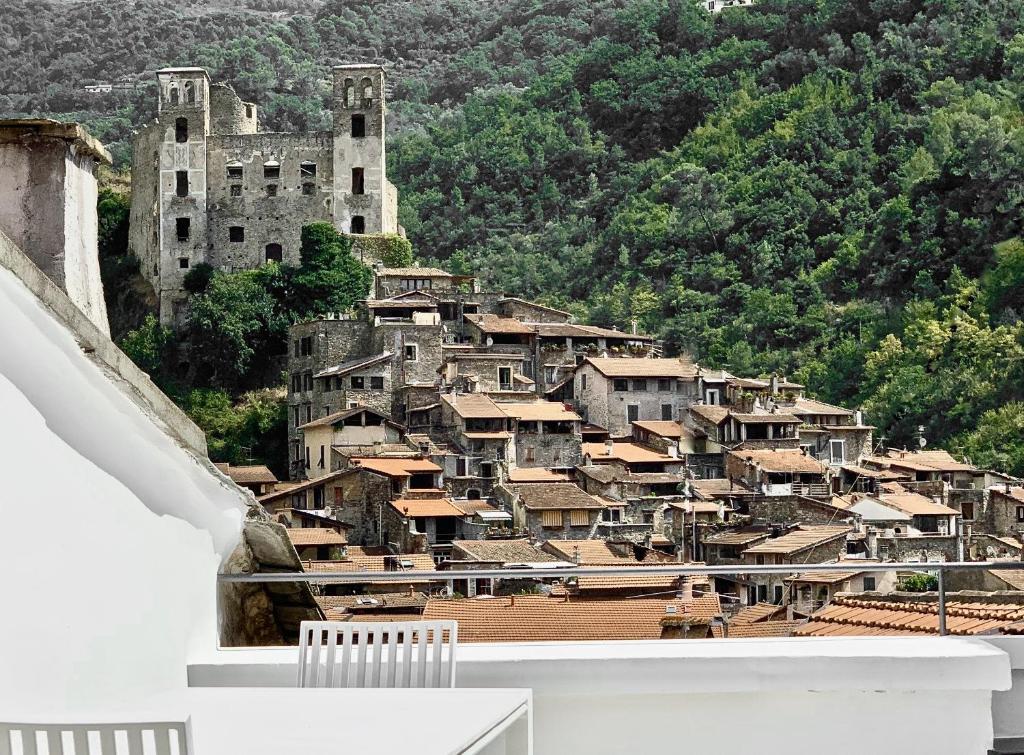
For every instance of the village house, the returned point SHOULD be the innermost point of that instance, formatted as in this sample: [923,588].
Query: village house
[466,369]
[810,591]
[255,477]
[804,545]
[325,440]
[482,436]
[518,555]
[1005,512]
[319,543]
[663,435]
[546,434]
[777,472]
[428,523]
[548,510]
[727,429]
[394,281]
[632,456]
[830,433]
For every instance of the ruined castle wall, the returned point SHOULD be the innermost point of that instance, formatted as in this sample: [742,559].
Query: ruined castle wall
[228,114]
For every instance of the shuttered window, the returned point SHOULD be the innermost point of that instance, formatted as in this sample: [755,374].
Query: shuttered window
[579,518]
[551,519]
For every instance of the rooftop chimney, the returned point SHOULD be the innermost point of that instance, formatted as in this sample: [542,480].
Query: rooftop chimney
[609,447]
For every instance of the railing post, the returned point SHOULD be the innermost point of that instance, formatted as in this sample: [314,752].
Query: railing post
[942,603]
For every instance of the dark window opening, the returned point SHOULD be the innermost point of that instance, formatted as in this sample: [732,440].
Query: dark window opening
[350,93]
[271,169]
[367,87]
[181,130]
[666,411]
[274,253]
[271,190]
[307,169]
[632,412]
[190,93]
[620,384]
[174,95]
[236,233]
[358,382]
[235,171]
[183,227]
[377,383]
[358,224]
[309,189]
[358,126]
[236,190]
[248,111]
[183,263]
[306,346]
[357,181]
[181,183]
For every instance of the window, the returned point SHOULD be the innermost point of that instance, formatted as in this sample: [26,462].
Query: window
[307,169]
[295,347]
[236,190]
[778,595]
[377,383]
[505,378]
[611,515]
[339,384]
[182,226]
[712,396]
[410,352]
[869,584]
[583,382]
[307,381]
[358,382]
[309,412]
[358,126]
[320,462]
[181,130]
[358,224]
[367,87]
[190,93]
[183,263]
[639,385]
[357,181]
[666,411]
[274,253]
[181,183]
[306,346]
[173,95]
[295,414]
[837,451]
[1020,513]
[632,412]
[248,111]
[296,383]
[664,385]
[272,169]
[579,518]
[309,189]
[350,93]
[486,469]
[620,384]
[307,457]
[236,233]
[271,190]
[530,454]
[759,559]
[235,171]
[551,519]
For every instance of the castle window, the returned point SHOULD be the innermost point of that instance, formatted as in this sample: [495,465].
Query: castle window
[181,130]
[236,233]
[190,93]
[309,189]
[183,263]
[248,111]
[181,183]
[183,226]
[357,181]
[172,95]
[367,87]
[236,190]
[271,190]
[350,93]
[235,171]
[358,224]
[358,126]
[272,169]
[274,253]
[307,169]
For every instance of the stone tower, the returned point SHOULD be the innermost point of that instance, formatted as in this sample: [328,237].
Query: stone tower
[184,117]
[365,202]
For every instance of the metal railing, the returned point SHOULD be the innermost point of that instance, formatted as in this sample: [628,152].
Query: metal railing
[667,569]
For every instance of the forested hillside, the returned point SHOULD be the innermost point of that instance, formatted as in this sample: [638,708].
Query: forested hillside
[823,188]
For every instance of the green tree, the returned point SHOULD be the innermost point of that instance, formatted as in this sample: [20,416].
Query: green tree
[998,440]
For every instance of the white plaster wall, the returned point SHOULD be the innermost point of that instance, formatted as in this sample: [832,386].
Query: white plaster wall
[82,281]
[112,586]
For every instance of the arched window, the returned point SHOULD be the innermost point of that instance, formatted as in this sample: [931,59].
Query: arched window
[358,224]
[181,130]
[172,95]
[367,89]
[190,93]
[350,93]
[274,253]
[272,169]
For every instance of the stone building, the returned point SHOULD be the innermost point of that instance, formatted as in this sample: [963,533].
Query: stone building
[48,205]
[209,186]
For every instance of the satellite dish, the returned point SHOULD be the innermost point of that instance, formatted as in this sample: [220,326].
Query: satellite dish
[922,442]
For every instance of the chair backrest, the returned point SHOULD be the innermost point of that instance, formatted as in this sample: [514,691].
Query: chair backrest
[378,654]
[162,738]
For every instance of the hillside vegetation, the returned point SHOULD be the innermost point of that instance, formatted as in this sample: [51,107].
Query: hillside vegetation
[827,189]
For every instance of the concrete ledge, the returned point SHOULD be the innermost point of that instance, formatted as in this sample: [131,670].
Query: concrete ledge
[19,129]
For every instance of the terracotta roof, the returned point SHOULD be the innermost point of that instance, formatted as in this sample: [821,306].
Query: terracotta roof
[664,428]
[859,615]
[756,612]
[496,324]
[823,577]
[626,451]
[572,330]
[414,272]
[1015,493]
[781,460]
[710,412]
[399,600]
[248,474]
[877,474]
[922,461]
[628,367]
[372,563]
[766,419]
[810,406]
[626,582]
[748,383]
[539,618]
[536,474]
[520,551]
[781,628]
[473,406]
[591,552]
[798,540]
[718,488]
[1014,578]
[735,537]
[402,467]
[539,411]
[488,435]
[352,365]
[916,505]
[534,305]
[331,419]
[555,495]
[426,507]
[306,536]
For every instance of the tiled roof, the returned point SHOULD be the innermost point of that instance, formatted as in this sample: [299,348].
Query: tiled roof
[710,412]
[718,488]
[857,615]
[555,495]
[916,505]
[497,324]
[426,507]
[527,618]
[628,367]
[922,461]
[1015,493]
[306,536]
[399,600]
[591,552]
[798,540]
[403,467]
[473,406]
[823,577]
[571,330]
[414,272]
[756,612]
[664,428]
[534,305]
[372,563]
[781,460]
[536,474]
[735,537]
[625,451]
[352,365]
[503,551]
[331,419]
[539,411]
[765,419]
[749,383]
[764,629]
[1014,578]
[626,582]
[248,474]
[808,406]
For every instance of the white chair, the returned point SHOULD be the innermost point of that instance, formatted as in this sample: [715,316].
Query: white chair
[161,738]
[382,654]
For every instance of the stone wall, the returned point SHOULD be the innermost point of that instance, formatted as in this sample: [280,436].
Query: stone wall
[552,450]
[791,509]
[228,114]
[394,337]
[923,547]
